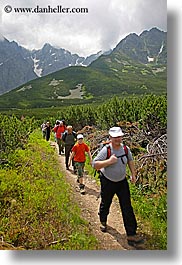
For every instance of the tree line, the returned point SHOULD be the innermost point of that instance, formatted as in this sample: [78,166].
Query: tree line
[115,110]
[14,131]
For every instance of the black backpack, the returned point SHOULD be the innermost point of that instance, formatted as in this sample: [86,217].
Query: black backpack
[65,134]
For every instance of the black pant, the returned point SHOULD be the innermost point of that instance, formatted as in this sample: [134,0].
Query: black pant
[67,154]
[121,189]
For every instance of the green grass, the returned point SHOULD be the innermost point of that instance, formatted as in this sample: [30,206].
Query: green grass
[151,210]
[36,203]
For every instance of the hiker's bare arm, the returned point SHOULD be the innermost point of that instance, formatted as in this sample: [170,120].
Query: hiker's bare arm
[90,157]
[105,163]
[132,169]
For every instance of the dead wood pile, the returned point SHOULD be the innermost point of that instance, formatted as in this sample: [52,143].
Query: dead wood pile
[149,149]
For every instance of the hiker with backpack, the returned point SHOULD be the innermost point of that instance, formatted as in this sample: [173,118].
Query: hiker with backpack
[59,129]
[78,154]
[111,162]
[69,139]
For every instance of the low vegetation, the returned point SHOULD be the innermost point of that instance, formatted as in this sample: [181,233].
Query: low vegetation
[37,210]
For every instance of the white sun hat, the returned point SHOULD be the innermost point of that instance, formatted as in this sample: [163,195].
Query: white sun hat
[80,136]
[115,132]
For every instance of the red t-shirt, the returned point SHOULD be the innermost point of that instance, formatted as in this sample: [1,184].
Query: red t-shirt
[59,130]
[79,150]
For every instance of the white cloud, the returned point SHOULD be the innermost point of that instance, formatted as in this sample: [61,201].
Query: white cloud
[105,24]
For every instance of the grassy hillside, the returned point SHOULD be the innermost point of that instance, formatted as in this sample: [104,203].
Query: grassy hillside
[98,82]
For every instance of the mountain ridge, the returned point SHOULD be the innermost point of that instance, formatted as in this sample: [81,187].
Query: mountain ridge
[19,65]
[137,65]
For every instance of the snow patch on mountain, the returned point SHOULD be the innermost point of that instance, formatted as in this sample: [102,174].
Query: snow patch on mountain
[37,71]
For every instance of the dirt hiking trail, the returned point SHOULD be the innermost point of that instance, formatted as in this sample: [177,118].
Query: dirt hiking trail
[115,237]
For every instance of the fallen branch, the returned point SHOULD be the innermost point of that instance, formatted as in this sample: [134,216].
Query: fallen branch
[152,155]
[57,241]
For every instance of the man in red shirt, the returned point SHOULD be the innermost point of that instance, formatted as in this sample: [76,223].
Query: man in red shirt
[79,157]
[59,129]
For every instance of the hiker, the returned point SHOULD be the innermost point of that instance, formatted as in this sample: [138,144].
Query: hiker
[47,131]
[43,128]
[112,174]
[69,138]
[59,129]
[56,124]
[78,154]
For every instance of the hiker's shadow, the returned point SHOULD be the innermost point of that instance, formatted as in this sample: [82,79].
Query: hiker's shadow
[121,239]
[93,192]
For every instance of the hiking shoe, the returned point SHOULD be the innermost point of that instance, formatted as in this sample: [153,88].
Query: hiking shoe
[82,188]
[134,240]
[103,227]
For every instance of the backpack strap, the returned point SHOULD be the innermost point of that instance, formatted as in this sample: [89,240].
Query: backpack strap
[108,151]
[74,134]
[126,153]
[64,136]
[125,150]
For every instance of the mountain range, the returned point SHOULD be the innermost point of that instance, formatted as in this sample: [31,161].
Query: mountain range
[137,65]
[19,65]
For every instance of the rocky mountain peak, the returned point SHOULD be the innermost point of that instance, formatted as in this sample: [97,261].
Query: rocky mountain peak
[19,65]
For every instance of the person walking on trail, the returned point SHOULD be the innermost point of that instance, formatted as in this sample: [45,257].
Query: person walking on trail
[43,128]
[69,138]
[54,129]
[47,131]
[59,129]
[113,181]
[79,151]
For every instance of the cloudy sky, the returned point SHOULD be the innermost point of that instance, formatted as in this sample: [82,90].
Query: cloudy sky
[81,26]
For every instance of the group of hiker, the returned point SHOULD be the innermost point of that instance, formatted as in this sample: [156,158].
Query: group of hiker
[72,145]
[110,162]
